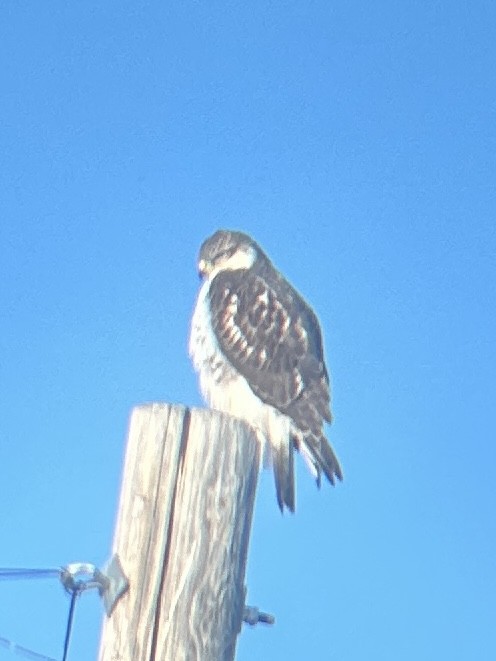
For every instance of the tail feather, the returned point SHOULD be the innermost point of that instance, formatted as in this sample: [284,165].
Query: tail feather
[320,457]
[329,461]
[283,463]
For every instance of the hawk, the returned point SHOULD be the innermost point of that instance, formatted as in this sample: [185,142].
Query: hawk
[257,347]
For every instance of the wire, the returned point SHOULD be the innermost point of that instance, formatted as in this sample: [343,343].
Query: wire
[75,578]
[7,574]
[75,594]
[24,651]
[18,574]
[75,589]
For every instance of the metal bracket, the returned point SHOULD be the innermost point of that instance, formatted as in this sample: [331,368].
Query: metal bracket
[252,615]
[110,581]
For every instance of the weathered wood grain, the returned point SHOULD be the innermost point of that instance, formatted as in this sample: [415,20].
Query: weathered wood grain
[182,534]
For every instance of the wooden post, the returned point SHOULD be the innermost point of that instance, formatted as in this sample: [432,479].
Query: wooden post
[182,535]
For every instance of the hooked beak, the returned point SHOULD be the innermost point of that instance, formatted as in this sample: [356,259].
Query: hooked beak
[204,268]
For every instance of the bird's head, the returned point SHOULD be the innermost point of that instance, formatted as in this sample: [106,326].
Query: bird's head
[227,250]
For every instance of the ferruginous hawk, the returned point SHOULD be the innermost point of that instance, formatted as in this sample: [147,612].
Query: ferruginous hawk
[257,347]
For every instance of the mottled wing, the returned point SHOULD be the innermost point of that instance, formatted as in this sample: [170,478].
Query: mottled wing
[272,337]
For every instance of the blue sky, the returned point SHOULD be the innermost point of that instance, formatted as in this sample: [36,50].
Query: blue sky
[357,143]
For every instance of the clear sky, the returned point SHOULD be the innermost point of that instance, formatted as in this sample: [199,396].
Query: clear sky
[356,141]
